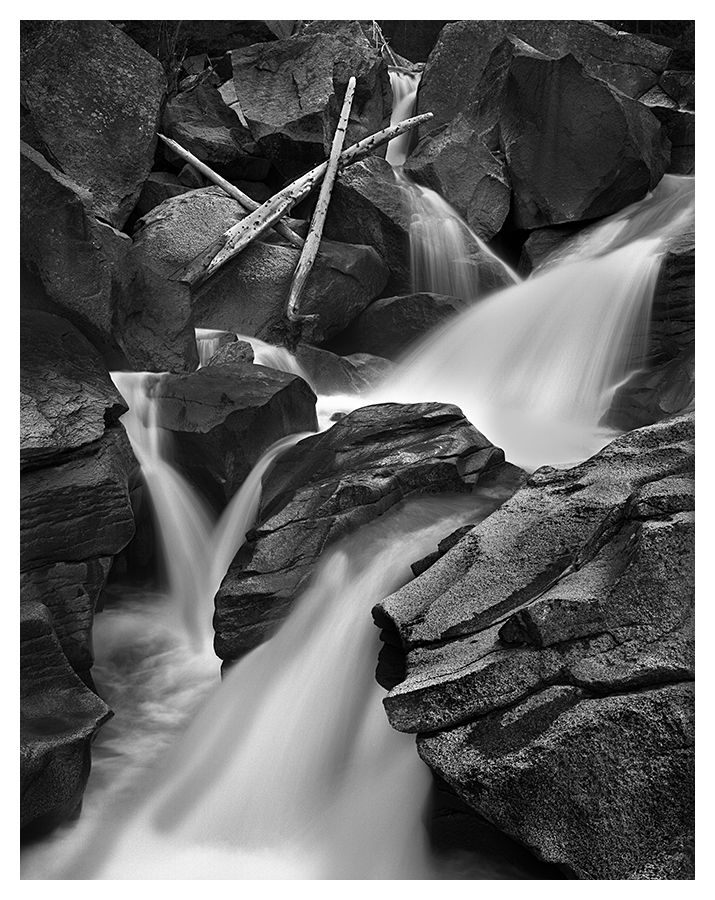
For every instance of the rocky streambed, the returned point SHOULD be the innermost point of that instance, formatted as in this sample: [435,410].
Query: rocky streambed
[543,657]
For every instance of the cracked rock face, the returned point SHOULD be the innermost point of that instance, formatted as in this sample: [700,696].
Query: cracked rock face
[549,660]
[326,487]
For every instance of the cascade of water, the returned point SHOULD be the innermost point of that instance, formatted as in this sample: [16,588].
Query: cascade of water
[197,550]
[208,341]
[291,770]
[535,366]
[404,86]
[444,250]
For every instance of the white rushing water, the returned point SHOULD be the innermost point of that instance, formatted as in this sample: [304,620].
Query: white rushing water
[290,770]
[535,365]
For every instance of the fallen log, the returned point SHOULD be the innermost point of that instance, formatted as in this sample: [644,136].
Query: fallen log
[240,235]
[248,203]
[310,250]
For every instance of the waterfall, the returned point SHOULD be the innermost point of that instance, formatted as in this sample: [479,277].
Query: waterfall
[197,549]
[444,251]
[535,366]
[404,84]
[290,770]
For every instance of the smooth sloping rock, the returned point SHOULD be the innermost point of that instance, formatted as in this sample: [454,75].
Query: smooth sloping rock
[291,92]
[441,161]
[457,62]
[392,324]
[602,786]
[329,485]
[103,138]
[223,418]
[59,718]
[203,124]
[66,395]
[369,206]
[575,148]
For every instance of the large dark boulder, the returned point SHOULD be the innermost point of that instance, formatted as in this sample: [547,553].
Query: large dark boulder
[549,660]
[223,418]
[327,486]
[77,467]
[575,148]
[59,718]
[291,92]
[452,76]
[248,295]
[203,124]
[369,205]
[74,261]
[86,271]
[102,137]
[392,324]
[482,198]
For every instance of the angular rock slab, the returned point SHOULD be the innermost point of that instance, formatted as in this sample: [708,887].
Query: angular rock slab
[601,786]
[204,125]
[291,92]
[326,487]
[223,418]
[78,265]
[59,719]
[441,162]
[575,148]
[103,138]
[370,206]
[392,324]
[550,660]
[92,275]
[451,78]
[66,395]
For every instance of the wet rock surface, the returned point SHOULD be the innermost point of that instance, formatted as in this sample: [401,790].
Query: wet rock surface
[77,466]
[327,486]
[60,716]
[440,163]
[554,645]
[222,419]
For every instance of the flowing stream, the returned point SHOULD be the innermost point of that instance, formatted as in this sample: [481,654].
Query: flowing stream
[288,769]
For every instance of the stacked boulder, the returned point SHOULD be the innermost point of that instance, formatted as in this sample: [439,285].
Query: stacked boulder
[77,469]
